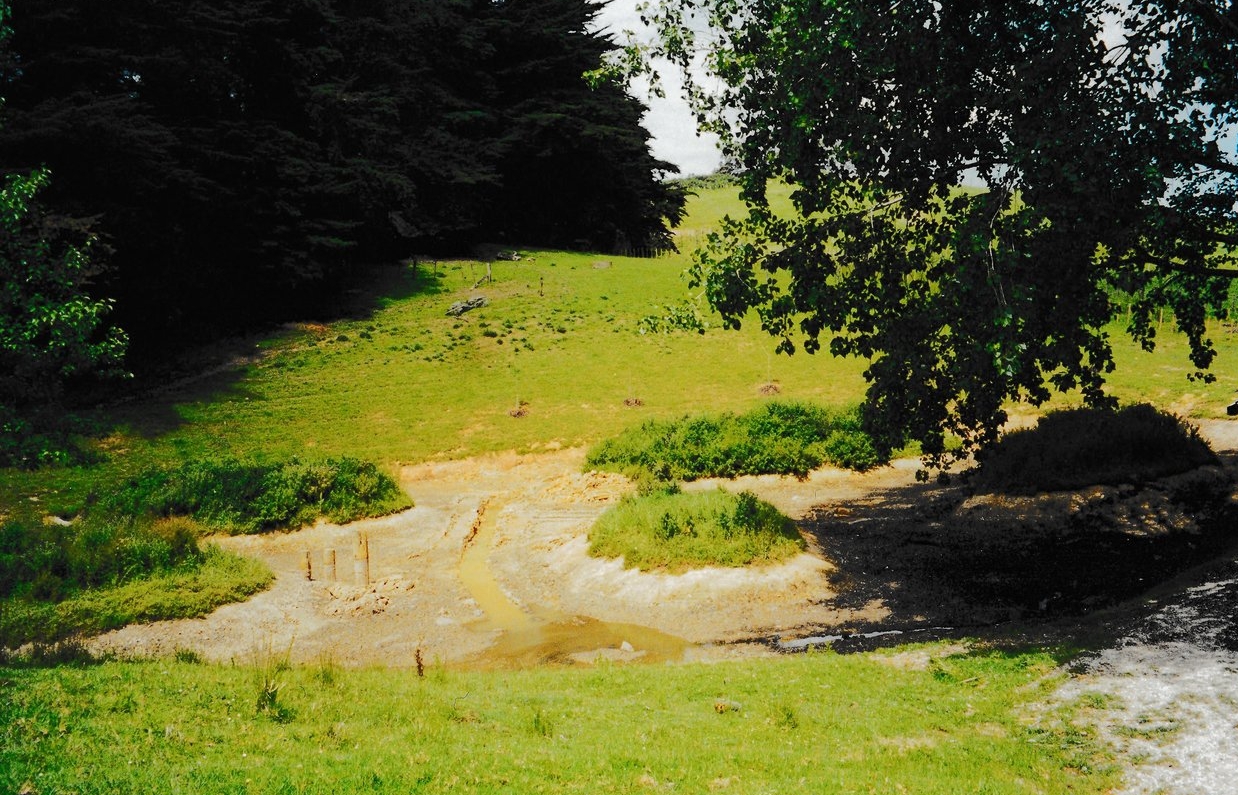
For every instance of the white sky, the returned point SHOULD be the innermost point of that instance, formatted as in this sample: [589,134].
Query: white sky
[669,121]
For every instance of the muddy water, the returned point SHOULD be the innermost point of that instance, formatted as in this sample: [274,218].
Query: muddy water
[539,635]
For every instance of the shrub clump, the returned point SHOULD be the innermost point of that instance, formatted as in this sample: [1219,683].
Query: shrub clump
[779,438]
[49,562]
[1082,447]
[189,590]
[238,497]
[673,530]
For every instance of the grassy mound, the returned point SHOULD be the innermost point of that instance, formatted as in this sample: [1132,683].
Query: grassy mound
[134,554]
[777,438]
[190,590]
[237,497]
[675,531]
[48,562]
[103,572]
[1084,447]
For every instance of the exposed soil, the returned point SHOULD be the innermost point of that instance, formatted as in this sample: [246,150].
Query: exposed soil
[1165,687]
[887,556]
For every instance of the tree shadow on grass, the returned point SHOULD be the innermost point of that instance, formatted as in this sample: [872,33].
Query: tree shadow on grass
[151,405]
[1000,571]
[382,287]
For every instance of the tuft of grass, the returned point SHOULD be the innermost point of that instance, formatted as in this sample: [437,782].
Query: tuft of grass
[270,667]
[238,497]
[676,531]
[541,724]
[187,656]
[860,726]
[1073,448]
[781,438]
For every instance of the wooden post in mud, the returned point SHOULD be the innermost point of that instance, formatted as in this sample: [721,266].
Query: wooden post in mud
[361,560]
[329,564]
[307,565]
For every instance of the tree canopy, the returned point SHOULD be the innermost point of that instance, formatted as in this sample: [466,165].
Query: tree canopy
[1100,136]
[242,157]
[51,330]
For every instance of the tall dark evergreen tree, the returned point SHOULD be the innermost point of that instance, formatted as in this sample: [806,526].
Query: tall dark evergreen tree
[408,115]
[576,166]
[240,156]
[184,127]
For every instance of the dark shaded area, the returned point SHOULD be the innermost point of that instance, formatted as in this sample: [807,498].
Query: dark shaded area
[245,163]
[1079,447]
[944,574]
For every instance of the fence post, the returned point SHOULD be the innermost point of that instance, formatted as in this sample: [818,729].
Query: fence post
[361,560]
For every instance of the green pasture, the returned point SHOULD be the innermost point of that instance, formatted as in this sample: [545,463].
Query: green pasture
[555,359]
[809,723]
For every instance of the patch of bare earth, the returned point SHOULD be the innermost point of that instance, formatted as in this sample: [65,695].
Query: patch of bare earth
[888,557]
[542,506]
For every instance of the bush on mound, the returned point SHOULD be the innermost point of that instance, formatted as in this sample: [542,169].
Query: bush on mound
[673,530]
[779,438]
[1082,447]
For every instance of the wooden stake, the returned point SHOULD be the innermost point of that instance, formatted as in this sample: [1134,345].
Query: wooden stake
[329,557]
[307,565]
[361,560]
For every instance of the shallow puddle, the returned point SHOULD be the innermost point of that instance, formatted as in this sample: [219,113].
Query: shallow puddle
[542,636]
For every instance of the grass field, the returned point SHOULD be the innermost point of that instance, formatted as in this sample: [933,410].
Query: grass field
[558,344]
[811,723]
[555,359]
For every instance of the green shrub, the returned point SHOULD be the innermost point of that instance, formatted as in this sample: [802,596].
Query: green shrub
[674,530]
[239,497]
[188,591]
[776,438]
[49,562]
[1083,447]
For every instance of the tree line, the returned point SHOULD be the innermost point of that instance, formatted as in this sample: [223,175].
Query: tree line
[238,160]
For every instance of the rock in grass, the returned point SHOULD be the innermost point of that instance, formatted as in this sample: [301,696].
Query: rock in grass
[460,307]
